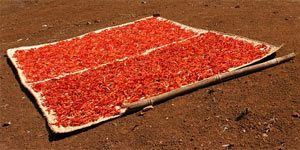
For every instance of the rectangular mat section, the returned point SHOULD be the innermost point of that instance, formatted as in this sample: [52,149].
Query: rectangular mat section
[87,79]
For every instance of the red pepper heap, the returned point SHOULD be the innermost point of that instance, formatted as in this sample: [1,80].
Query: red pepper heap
[94,49]
[85,97]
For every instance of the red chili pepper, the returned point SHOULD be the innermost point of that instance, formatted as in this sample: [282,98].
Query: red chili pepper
[81,98]
[94,49]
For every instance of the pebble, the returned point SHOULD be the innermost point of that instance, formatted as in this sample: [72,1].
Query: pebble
[265,135]
[295,114]
[6,124]
[141,113]
[228,145]
[97,21]
[156,15]
[4,105]
[210,91]
[225,128]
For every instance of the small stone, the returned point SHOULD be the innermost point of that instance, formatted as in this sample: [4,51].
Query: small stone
[242,114]
[225,128]
[228,145]
[210,91]
[143,2]
[237,6]
[134,128]
[265,135]
[206,119]
[44,26]
[213,99]
[88,23]
[156,15]
[4,105]
[295,114]
[141,114]
[205,5]
[97,21]
[6,124]
[275,12]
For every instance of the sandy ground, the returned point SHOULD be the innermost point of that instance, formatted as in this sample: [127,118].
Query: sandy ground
[204,119]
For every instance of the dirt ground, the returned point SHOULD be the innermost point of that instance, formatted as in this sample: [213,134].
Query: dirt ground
[204,119]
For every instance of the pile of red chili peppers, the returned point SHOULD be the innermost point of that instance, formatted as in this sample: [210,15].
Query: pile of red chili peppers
[98,48]
[85,97]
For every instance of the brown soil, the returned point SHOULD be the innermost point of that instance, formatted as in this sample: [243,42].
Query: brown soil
[204,119]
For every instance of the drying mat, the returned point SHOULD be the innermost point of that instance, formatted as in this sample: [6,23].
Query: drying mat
[87,79]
